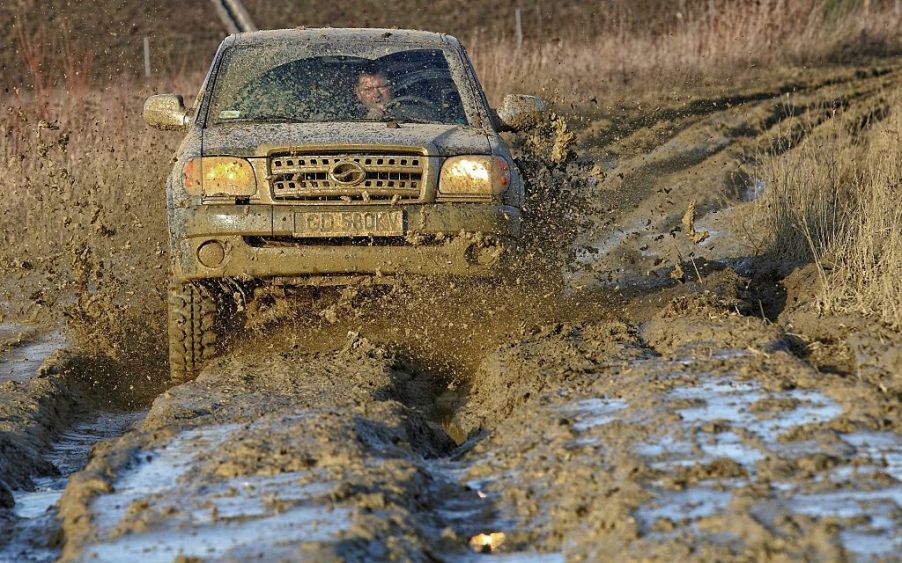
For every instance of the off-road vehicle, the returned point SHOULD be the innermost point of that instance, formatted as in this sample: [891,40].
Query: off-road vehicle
[315,155]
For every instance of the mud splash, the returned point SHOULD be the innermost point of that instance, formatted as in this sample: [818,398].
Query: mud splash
[667,419]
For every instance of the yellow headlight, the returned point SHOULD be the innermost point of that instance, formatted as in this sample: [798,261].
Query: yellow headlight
[474,175]
[220,175]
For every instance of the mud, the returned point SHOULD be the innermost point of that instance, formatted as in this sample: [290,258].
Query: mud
[652,384]
[696,434]
[32,411]
[271,446]
[706,447]
[32,532]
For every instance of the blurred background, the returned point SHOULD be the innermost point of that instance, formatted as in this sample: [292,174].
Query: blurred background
[579,48]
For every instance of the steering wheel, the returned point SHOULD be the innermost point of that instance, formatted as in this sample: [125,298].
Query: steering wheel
[414,107]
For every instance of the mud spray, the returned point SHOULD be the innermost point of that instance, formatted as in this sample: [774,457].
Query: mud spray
[630,389]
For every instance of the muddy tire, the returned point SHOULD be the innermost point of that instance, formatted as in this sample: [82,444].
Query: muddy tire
[193,328]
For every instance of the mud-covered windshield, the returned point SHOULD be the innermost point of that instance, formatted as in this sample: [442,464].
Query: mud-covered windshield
[312,83]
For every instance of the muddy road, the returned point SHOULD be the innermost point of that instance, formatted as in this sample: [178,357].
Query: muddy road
[664,390]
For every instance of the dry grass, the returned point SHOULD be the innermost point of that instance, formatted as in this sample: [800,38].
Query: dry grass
[835,198]
[673,50]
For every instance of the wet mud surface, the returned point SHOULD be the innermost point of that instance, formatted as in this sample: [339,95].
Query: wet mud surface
[663,393]
[25,350]
[33,533]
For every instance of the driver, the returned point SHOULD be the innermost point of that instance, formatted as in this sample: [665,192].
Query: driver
[373,91]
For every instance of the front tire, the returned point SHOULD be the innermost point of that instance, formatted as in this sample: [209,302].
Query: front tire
[193,334]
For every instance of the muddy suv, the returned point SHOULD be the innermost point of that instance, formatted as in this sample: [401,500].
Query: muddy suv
[314,156]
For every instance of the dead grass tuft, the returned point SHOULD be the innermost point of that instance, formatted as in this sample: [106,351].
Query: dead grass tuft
[834,198]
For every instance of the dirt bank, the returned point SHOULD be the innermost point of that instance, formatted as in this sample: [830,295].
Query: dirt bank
[31,412]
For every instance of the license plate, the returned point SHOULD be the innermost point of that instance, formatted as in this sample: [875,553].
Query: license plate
[349,223]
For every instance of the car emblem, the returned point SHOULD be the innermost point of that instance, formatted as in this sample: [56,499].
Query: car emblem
[347,173]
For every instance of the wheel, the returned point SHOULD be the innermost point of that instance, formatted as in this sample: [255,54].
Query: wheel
[193,328]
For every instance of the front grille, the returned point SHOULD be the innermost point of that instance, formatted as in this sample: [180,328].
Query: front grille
[385,177]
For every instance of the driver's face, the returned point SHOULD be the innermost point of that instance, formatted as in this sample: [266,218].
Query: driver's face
[373,90]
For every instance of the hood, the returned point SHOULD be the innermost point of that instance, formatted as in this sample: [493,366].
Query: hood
[257,139]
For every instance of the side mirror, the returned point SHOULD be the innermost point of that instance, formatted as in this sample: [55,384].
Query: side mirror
[167,112]
[518,111]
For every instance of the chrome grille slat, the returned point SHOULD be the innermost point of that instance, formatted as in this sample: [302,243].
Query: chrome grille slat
[389,177]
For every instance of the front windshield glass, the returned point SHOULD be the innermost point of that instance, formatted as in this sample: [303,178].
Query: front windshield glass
[289,82]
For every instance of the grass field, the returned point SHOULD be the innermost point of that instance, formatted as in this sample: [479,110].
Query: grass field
[676,52]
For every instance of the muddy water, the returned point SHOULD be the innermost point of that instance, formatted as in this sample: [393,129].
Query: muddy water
[262,516]
[35,511]
[711,452]
[297,456]
[226,516]
[26,353]
[677,446]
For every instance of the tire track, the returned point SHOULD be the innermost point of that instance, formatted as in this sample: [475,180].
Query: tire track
[707,159]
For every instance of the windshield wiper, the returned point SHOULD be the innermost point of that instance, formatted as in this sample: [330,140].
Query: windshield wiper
[265,119]
[410,120]
[294,119]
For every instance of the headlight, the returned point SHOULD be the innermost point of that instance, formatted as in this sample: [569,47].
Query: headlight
[219,175]
[474,175]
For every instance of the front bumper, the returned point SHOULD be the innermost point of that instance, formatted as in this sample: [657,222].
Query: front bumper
[257,242]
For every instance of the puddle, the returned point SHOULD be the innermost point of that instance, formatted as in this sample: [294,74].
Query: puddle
[216,539]
[208,517]
[691,504]
[33,533]
[594,412]
[880,446]
[599,249]
[731,400]
[603,247]
[471,511]
[730,406]
[518,557]
[739,420]
[12,333]
[155,472]
[171,511]
[754,189]
[874,528]
[729,444]
[70,454]
[21,361]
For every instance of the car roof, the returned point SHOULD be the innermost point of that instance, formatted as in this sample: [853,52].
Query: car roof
[338,34]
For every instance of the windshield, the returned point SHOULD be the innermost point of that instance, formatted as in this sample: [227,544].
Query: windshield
[313,83]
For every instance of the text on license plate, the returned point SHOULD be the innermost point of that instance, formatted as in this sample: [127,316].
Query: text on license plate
[349,223]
